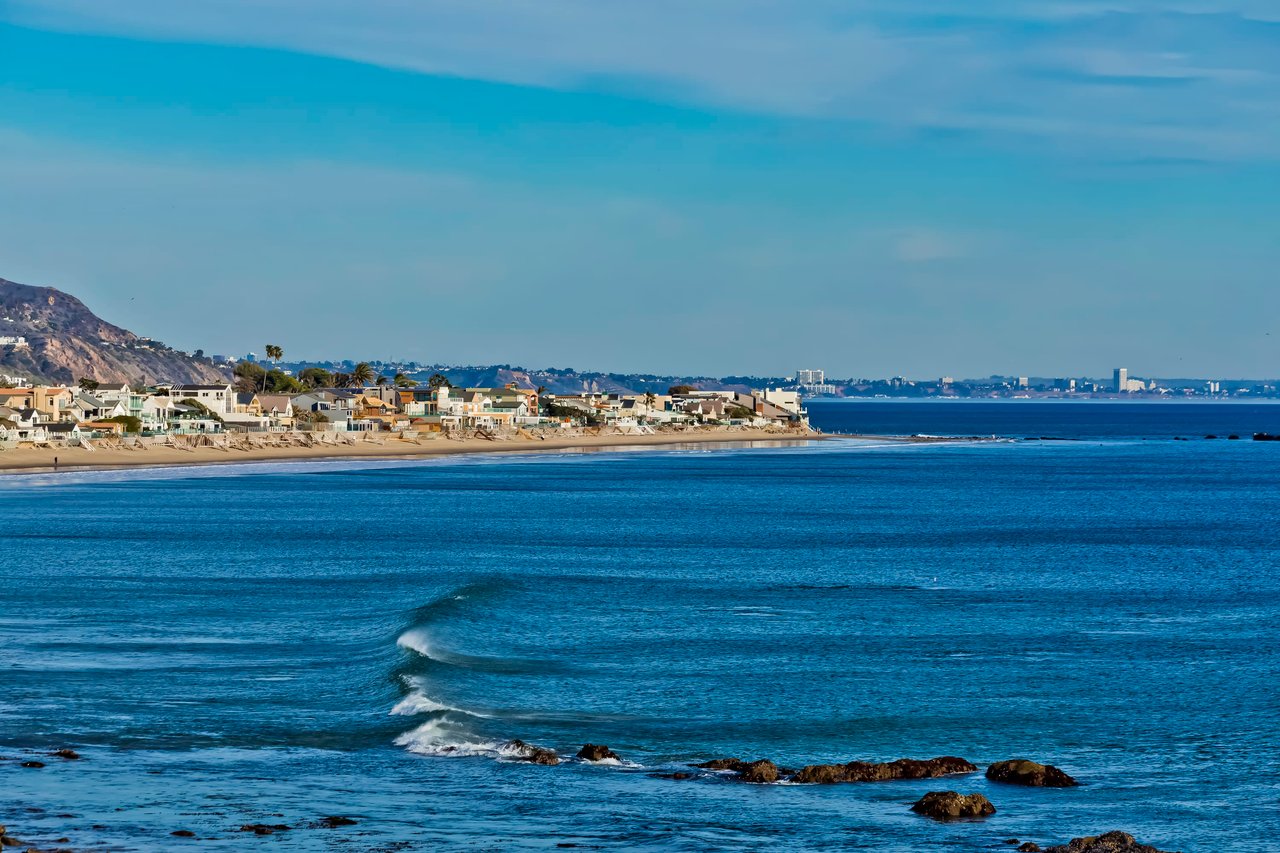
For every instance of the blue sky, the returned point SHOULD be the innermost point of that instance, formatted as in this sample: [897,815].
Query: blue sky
[912,187]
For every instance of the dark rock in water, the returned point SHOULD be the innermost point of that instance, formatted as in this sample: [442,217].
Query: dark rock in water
[264,828]
[33,764]
[1029,847]
[1211,437]
[1011,841]
[183,833]
[862,771]
[530,753]
[679,777]
[949,805]
[1265,436]
[759,772]
[597,752]
[1020,771]
[334,821]
[546,757]
[9,841]
[69,754]
[1233,437]
[1111,842]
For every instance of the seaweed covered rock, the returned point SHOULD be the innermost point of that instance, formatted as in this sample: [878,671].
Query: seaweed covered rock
[1020,771]
[760,772]
[903,768]
[950,805]
[1111,842]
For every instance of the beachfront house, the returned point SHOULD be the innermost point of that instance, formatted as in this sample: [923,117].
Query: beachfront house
[219,399]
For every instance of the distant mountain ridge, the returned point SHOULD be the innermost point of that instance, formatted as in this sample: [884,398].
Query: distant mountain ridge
[65,342]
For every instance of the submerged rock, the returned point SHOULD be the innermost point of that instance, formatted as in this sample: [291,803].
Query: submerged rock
[35,764]
[760,772]
[862,771]
[69,754]
[1029,847]
[597,752]
[264,828]
[334,821]
[1111,842]
[1020,771]
[949,805]
[183,833]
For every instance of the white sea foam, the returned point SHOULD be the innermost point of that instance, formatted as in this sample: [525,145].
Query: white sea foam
[443,737]
[416,701]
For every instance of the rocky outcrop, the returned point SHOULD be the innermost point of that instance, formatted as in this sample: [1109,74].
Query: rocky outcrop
[533,754]
[862,771]
[1020,771]
[1029,847]
[1111,842]
[597,752]
[949,805]
[760,772]
[69,754]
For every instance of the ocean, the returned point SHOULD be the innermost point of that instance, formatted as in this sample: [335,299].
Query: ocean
[276,643]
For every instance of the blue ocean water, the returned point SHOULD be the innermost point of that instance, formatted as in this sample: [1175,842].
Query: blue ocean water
[277,643]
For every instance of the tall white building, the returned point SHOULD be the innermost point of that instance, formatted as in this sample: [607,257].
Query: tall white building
[1121,380]
[811,377]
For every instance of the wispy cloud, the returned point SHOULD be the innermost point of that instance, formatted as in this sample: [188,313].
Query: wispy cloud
[1176,78]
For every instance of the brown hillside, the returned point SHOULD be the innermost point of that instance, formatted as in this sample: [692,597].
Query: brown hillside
[67,341]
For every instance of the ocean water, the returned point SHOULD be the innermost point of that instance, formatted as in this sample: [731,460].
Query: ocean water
[277,643]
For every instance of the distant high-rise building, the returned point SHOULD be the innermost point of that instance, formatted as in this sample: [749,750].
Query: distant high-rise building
[1122,380]
[811,377]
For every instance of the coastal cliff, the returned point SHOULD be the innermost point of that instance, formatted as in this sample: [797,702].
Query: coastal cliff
[47,335]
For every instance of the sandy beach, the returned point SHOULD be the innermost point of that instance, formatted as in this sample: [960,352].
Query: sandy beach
[32,460]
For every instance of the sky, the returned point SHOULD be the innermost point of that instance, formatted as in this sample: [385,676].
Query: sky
[872,187]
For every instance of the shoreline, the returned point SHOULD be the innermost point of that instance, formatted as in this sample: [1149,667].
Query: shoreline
[74,459]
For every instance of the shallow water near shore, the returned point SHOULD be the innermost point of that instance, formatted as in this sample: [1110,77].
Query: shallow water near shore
[277,645]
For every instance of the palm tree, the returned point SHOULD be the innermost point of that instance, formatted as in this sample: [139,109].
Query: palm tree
[341,380]
[438,381]
[274,352]
[649,400]
[402,381]
[362,374]
[381,381]
[542,389]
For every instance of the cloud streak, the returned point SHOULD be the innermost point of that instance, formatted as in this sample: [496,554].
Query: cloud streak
[1191,79]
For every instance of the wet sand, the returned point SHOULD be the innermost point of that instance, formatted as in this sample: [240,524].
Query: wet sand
[31,460]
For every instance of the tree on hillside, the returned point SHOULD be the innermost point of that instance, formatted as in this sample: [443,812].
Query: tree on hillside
[681,389]
[362,374]
[438,381]
[87,384]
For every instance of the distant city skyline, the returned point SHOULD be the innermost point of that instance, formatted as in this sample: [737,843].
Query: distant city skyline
[712,188]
